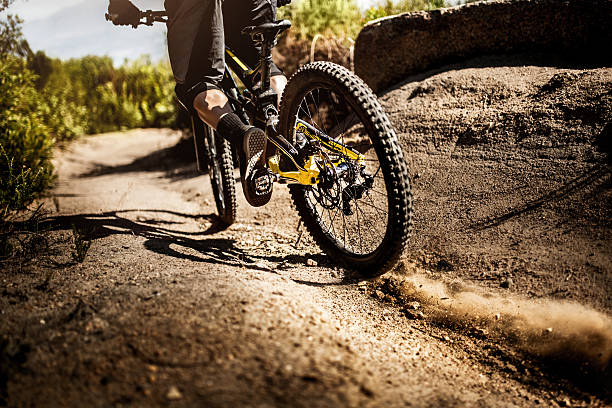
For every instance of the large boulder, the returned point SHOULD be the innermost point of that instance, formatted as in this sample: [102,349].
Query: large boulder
[391,48]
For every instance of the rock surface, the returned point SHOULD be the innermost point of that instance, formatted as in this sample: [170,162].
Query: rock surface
[389,49]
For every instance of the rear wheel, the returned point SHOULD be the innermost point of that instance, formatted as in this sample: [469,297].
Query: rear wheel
[360,213]
[221,171]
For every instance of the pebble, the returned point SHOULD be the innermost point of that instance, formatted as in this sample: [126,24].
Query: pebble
[96,325]
[507,283]
[174,393]
[311,262]
[379,294]
[411,314]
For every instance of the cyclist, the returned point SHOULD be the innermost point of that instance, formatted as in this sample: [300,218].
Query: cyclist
[197,33]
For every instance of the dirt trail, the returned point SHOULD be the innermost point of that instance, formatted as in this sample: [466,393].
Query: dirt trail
[166,310]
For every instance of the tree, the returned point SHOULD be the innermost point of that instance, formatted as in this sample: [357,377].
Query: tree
[4,4]
[11,37]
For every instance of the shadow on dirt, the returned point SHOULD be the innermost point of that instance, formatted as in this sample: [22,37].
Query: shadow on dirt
[177,161]
[603,141]
[587,178]
[192,246]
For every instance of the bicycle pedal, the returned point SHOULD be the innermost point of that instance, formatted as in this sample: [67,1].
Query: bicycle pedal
[263,184]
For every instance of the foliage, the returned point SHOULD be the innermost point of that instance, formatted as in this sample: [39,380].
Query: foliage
[342,18]
[25,145]
[89,95]
[4,4]
[389,7]
[44,99]
[326,17]
[80,246]
[11,38]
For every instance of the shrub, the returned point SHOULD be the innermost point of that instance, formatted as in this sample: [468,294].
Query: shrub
[334,23]
[25,146]
[389,7]
[89,95]
[326,17]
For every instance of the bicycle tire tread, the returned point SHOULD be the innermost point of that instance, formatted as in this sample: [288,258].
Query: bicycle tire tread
[391,160]
[228,216]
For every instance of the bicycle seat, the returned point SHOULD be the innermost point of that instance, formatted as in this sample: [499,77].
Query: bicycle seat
[268,30]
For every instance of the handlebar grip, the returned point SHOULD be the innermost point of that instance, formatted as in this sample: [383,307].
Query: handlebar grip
[149,16]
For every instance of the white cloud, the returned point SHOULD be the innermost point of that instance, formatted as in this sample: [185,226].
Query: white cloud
[32,10]
[74,28]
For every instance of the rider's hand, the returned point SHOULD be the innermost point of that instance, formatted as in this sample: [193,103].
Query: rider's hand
[123,12]
[281,3]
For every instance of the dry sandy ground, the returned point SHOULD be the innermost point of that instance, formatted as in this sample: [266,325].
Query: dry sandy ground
[513,222]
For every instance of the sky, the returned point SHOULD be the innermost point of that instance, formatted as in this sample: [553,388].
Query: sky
[75,28]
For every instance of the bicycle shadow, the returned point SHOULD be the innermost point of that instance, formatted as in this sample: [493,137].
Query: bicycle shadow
[161,238]
[590,177]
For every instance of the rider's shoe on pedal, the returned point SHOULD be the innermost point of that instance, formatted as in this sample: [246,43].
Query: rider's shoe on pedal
[250,143]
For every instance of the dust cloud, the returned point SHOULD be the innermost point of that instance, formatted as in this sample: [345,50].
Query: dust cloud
[561,331]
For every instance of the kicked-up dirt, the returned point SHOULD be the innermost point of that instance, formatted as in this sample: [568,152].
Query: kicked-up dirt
[502,299]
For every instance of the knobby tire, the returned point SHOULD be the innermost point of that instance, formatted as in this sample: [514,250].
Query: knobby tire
[340,81]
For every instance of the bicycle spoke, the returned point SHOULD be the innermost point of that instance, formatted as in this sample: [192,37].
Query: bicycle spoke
[331,113]
[343,229]
[378,192]
[359,210]
[307,111]
[359,227]
[374,206]
[332,221]
[314,106]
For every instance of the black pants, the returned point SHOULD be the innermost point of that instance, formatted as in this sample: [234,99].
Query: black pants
[198,31]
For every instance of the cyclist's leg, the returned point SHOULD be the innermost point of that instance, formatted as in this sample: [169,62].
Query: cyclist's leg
[200,94]
[278,82]
[199,67]
[196,48]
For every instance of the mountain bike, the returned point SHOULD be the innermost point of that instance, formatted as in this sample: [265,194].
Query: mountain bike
[330,142]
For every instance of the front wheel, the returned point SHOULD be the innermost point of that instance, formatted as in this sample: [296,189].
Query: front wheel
[360,214]
[221,171]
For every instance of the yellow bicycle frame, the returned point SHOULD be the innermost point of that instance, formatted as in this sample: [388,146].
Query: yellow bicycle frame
[309,175]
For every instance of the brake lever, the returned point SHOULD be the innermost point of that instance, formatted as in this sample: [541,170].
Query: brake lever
[154,16]
[149,16]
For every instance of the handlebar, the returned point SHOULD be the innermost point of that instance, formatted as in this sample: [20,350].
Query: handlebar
[149,17]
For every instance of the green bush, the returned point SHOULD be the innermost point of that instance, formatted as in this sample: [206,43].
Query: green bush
[25,145]
[390,8]
[343,18]
[337,21]
[89,95]
[326,17]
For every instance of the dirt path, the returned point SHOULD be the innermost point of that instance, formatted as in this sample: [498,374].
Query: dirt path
[165,310]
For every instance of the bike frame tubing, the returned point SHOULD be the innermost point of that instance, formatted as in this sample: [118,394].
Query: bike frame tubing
[243,71]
